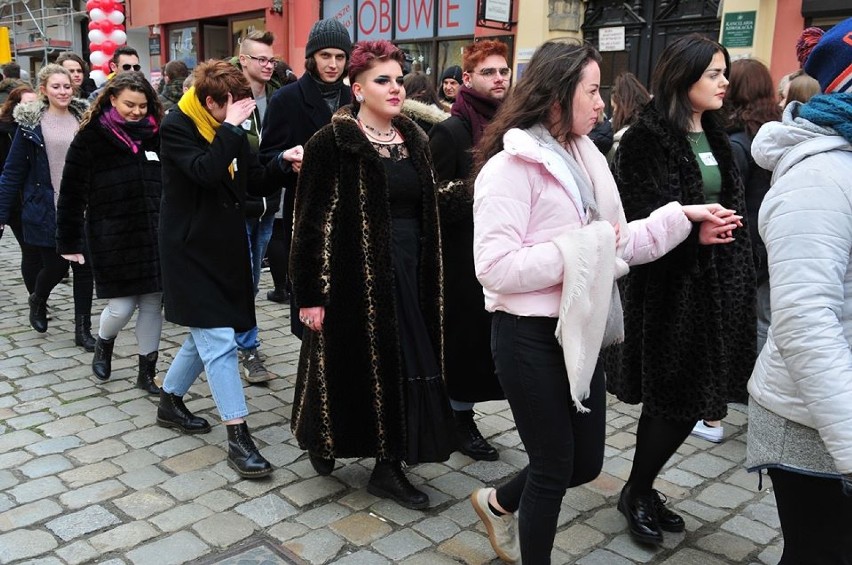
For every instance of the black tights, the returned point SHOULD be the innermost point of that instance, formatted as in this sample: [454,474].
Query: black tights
[656,441]
[53,270]
[30,259]
[278,253]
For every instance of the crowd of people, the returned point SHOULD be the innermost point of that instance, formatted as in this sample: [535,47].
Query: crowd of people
[445,245]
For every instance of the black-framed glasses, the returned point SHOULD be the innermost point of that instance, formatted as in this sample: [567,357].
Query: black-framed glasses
[128,66]
[262,61]
[505,72]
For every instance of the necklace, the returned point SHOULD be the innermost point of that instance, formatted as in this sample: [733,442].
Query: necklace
[697,135]
[379,134]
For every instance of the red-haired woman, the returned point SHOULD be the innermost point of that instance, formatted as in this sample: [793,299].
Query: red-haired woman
[366,271]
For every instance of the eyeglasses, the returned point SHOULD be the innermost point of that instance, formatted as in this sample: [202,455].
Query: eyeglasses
[505,72]
[263,61]
[127,67]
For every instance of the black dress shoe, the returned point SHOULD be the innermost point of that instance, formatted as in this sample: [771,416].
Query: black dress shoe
[668,520]
[641,516]
[38,313]
[243,455]
[471,442]
[171,413]
[321,465]
[278,295]
[389,481]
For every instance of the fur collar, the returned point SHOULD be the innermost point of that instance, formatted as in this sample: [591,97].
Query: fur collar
[29,115]
[351,139]
[428,113]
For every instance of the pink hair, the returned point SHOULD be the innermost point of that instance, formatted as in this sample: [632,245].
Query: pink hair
[365,54]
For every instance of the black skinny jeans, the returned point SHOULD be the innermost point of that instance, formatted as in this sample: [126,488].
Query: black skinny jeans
[816,519]
[53,270]
[30,258]
[565,448]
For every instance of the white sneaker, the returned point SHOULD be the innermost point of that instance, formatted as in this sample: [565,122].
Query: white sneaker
[710,433]
[502,530]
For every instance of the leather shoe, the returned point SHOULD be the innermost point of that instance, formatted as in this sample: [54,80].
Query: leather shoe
[389,481]
[471,442]
[278,295]
[641,516]
[243,455]
[668,520]
[172,413]
[321,465]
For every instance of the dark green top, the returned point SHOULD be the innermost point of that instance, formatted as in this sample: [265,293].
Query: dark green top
[710,175]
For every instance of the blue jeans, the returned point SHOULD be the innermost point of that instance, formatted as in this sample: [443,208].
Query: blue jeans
[259,232]
[214,351]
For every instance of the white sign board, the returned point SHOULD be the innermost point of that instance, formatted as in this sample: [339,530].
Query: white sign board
[498,10]
[611,39]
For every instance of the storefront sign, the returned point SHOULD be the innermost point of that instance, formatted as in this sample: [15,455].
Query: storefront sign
[498,10]
[738,29]
[611,39]
[153,45]
[412,19]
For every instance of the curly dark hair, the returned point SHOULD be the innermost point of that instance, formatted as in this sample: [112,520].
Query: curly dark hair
[132,80]
[750,99]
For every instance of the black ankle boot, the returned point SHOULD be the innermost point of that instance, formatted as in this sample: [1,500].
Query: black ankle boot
[171,413]
[147,370]
[278,295]
[471,442]
[102,361]
[389,481]
[243,455]
[641,516]
[83,333]
[38,313]
[321,465]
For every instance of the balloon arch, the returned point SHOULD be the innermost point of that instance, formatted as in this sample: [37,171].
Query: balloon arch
[106,34]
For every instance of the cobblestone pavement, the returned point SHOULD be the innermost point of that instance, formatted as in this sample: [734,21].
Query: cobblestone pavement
[87,477]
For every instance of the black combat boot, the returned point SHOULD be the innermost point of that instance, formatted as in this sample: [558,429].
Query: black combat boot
[38,313]
[102,361]
[147,370]
[389,481]
[83,332]
[471,442]
[243,455]
[171,413]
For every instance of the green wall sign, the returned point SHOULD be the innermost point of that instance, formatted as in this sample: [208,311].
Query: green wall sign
[738,29]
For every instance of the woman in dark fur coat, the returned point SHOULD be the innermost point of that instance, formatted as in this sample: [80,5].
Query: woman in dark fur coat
[110,196]
[366,271]
[690,316]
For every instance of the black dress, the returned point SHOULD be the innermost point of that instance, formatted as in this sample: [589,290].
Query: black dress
[430,428]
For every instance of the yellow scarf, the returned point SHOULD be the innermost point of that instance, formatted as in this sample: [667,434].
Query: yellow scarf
[203,120]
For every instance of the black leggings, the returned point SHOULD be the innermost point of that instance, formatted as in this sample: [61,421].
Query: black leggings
[816,519]
[53,270]
[565,448]
[30,259]
[278,253]
[656,441]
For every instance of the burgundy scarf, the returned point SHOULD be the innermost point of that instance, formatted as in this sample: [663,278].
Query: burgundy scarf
[131,134]
[477,109]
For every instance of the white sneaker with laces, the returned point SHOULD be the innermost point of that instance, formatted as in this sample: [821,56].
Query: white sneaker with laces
[710,433]
[502,530]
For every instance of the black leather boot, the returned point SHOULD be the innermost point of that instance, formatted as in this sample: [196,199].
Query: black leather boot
[102,361]
[171,413]
[669,521]
[389,481]
[471,442]
[83,333]
[278,295]
[320,464]
[147,370]
[243,455]
[38,313]
[641,516]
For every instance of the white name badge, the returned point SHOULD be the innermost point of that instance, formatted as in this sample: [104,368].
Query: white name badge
[247,125]
[708,159]
[234,163]
[151,156]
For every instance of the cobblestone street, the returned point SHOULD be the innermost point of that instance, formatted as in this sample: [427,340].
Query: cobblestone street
[86,476]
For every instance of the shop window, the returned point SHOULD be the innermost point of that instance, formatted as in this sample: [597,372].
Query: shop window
[183,45]
[241,28]
[450,53]
[418,56]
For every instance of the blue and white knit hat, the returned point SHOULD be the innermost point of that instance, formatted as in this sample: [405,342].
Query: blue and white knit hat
[830,62]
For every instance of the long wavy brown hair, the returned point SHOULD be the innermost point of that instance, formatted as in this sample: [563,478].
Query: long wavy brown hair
[628,97]
[12,102]
[750,100]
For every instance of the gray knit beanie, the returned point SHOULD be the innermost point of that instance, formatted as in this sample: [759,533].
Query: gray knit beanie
[328,33]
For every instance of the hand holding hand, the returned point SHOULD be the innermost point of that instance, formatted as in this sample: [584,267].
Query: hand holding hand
[312,318]
[294,155]
[715,213]
[238,112]
[712,233]
[75,258]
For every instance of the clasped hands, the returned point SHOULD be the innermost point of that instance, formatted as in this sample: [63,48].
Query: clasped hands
[717,222]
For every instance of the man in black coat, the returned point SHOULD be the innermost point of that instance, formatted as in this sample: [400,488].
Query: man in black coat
[297,111]
[468,363]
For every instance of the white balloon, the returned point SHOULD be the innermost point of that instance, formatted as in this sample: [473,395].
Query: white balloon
[97,36]
[118,37]
[98,58]
[97,15]
[98,76]
[115,17]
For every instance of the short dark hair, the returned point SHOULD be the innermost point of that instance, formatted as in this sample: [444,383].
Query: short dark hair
[681,65]
[124,50]
[218,78]
[71,56]
[366,54]
[264,37]
[12,70]
[418,87]
[176,70]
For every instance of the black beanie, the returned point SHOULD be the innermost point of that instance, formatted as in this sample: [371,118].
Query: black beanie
[453,72]
[328,33]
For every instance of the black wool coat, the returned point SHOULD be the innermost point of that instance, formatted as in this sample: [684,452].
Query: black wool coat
[690,316]
[204,252]
[349,398]
[469,364]
[110,196]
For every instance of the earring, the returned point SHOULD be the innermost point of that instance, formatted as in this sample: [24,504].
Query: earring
[359,98]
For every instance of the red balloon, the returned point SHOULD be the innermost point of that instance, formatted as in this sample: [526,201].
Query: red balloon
[107,6]
[108,47]
[92,4]
[117,6]
[106,26]
[95,47]
[105,68]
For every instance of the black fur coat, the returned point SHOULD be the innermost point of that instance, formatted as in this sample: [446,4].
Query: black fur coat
[689,316]
[349,398]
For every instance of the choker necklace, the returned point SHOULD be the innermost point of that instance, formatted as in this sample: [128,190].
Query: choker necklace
[379,134]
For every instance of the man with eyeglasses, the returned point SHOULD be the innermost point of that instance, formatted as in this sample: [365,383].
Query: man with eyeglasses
[124,59]
[257,63]
[469,368]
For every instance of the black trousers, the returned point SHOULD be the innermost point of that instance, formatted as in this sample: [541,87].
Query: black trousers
[565,447]
[278,254]
[53,270]
[816,519]
[30,258]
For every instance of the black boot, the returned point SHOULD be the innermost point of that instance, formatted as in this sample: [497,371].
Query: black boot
[243,455]
[471,442]
[320,464]
[389,481]
[641,516]
[38,313]
[278,295]
[171,413]
[102,361]
[83,333]
[147,370]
